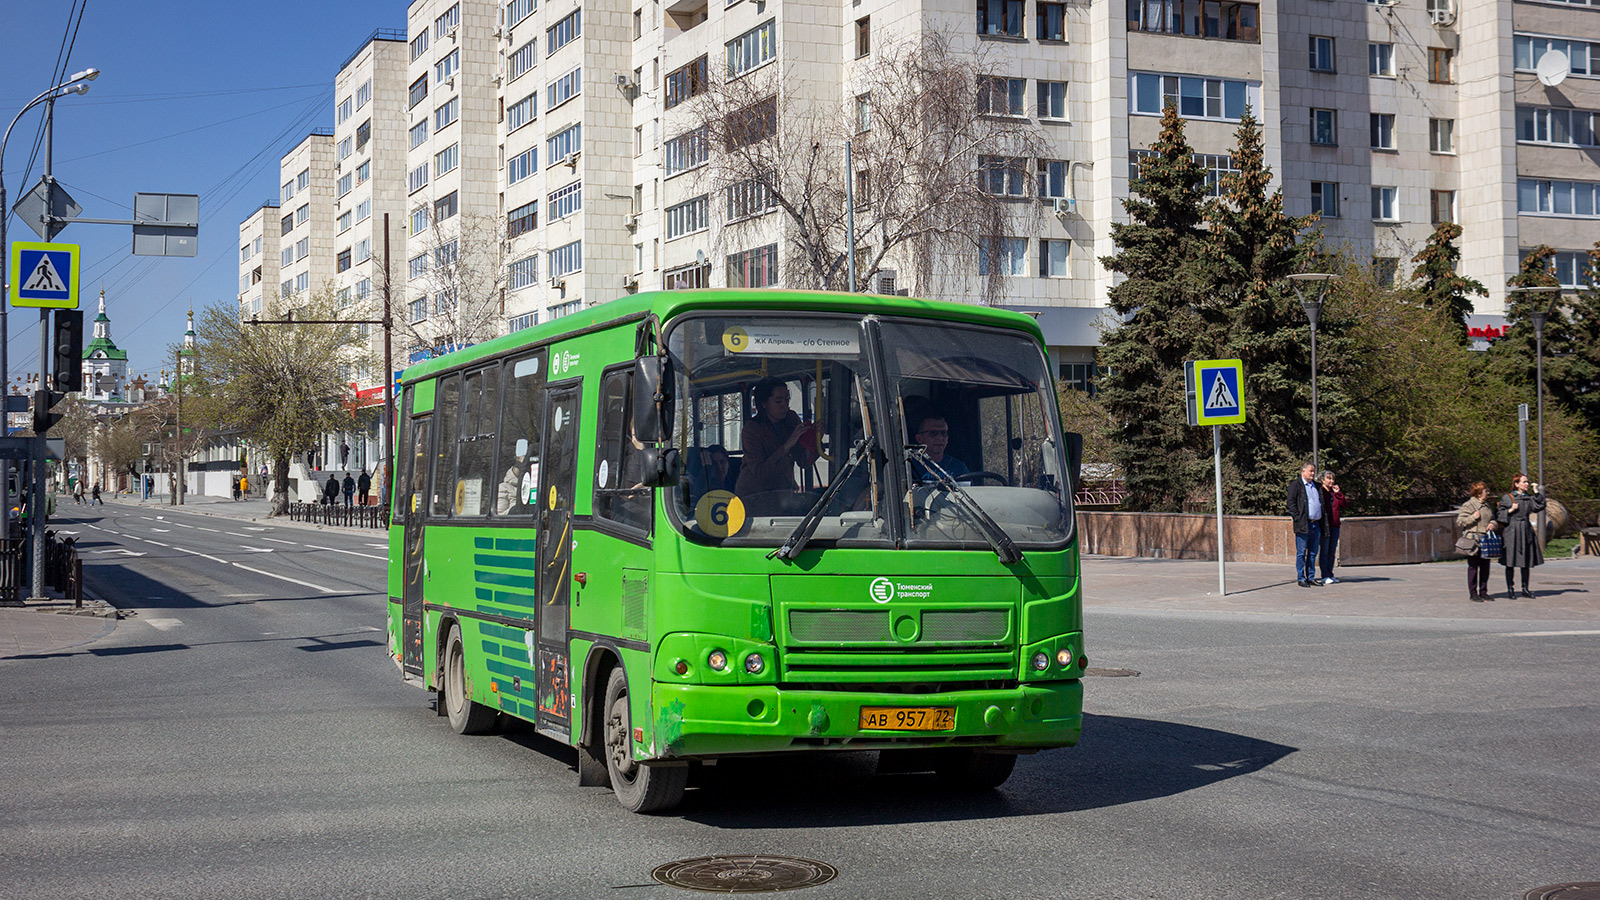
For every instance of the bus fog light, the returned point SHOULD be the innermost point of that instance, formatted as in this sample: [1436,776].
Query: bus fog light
[681,667]
[754,664]
[1041,661]
[718,660]
[1064,657]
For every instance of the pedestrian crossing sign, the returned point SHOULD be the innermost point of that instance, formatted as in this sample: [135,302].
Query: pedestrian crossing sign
[1215,392]
[44,275]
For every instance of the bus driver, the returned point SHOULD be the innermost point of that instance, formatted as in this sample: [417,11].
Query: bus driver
[775,441]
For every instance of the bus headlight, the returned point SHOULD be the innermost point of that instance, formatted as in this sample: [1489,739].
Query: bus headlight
[1041,661]
[718,660]
[754,664]
[1064,657]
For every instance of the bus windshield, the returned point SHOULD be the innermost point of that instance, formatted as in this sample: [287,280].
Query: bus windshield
[959,447]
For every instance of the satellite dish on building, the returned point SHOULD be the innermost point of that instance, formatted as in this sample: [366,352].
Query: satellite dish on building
[1553,68]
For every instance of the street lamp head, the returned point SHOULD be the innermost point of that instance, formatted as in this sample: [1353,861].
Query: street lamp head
[88,74]
[1313,306]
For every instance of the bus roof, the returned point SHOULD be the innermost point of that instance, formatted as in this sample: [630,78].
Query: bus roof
[669,304]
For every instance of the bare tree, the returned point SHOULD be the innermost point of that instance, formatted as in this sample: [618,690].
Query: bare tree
[462,279]
[941,166]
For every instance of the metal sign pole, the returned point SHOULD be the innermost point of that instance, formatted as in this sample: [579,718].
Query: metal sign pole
[1216,451]
[1522,434]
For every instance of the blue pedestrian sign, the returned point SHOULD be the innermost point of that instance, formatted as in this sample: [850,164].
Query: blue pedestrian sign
[1215,392]
[44,275]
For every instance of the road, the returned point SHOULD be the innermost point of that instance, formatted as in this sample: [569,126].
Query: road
[244,735]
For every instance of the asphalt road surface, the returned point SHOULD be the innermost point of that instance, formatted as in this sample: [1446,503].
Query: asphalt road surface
[243,734]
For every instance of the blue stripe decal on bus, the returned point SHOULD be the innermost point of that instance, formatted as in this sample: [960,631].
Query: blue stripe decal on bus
[503,580]
[491,647]
[516,599]
[510,671]
[504,562]
[515,545]
[485,594]
[483,543]
[505,613]
[489,629]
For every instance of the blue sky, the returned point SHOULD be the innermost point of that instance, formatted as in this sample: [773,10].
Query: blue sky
[194,98]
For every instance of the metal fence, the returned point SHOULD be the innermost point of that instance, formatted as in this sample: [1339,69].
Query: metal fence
[337,514]
[63,570]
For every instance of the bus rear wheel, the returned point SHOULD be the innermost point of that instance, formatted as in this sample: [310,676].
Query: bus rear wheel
[974,771]
[466,715]
[639,788]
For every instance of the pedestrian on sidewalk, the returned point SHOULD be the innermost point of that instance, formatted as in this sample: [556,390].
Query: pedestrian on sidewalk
[1305,509]
[244,486]
[330,491]
[1333,500]
[1476,518]
[349,490]
[236,490]
[364,487]
[1522,539]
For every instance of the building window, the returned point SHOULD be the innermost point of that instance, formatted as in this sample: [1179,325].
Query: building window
[303,180]
[344,221]
[754,123]
[686,151]
[754,48]
[419,309]
[999,17]
[344,111]
[753,268]
[863,36]
[1053,258]
[1324,127]
[363,289]
[344,294]
[1325,199]
[417,266]
[1383,204]
[1053,178]
[563,32]
[364,172]
[302,249]
[419,218]
[1527,50]
[286,225]
[526,320]
[286,257]
[363,250]
[346,147]
[444,255]
[1322,53]
[1441,135]
[364,93]
[563,144]
[1381,126]
[1052,99]
[563,89]
[1051,21]
[1008,255]
[445,207]
[419,134]
[446,160]
[521,62]
[302,215]
[1196,18]
[522,112]
[288,190]
[638,24]
[1557,198]
[1195,97]
[687,217]
[446,66]
[446,24]
[364,210]
[564,201]
[1442,206]
[417,178]
[1440,61]
[1380,60]
[864,112]
[286,288]
[522,220]
[686,81]
[692,277]
[517,10]
[523,273]
[1571,268]
[418,91]
[566,259]
[419,45]
[1568,127]
[1002,175]
[747,199]
[1384,269]
[446,114]
[302,282]
[998,96]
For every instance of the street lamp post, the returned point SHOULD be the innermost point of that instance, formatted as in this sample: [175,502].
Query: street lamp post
[1313,308]
[1540,317]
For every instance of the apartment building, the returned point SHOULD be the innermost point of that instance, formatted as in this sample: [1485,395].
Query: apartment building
[306,216]
[258,257]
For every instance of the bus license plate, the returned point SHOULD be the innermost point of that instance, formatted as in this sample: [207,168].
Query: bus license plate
[909,718]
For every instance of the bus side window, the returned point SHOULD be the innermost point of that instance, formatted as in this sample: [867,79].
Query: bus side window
[474,484]
[447,402]
[618,492]
[520,437]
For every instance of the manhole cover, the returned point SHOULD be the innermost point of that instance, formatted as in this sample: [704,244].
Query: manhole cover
[1111,673]
[1576,890]
[744,874]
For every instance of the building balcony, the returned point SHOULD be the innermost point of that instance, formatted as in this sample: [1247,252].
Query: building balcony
[1214,19]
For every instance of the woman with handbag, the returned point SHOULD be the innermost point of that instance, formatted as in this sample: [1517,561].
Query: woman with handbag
[1475,519]
[1522,539]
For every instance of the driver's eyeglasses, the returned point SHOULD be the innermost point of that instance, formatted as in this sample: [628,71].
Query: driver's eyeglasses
[935,432]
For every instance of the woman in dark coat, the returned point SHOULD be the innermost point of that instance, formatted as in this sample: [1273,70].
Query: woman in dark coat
[1522,539]
[775,441]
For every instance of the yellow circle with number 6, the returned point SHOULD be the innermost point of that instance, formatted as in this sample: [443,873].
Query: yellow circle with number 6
[736,340]
[719,514]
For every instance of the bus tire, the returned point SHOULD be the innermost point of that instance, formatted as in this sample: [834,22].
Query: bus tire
[974,771]
[639,788]
[467,716]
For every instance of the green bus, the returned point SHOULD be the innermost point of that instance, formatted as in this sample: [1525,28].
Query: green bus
[689,525]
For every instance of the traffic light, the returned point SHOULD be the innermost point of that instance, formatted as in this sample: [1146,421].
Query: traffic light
[67,366]
[43,418]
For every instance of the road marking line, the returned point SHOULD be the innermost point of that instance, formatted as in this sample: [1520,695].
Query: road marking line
[158,543]
[161,530]
[379,546]
[238,534]
[315,587]
[276,541]
[255,528]
[1548,633]
[181,525]
[163,624]
[351,552]
[198,553]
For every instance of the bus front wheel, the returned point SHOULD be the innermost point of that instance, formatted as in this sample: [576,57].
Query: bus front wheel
[639,788]
[971,770]
[466,715]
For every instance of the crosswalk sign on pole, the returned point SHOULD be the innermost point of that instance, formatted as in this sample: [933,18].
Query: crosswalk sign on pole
[44,275]
[1216,392]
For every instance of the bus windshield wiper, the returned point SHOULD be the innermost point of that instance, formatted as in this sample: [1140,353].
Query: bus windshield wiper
[797,539]
[1003,546]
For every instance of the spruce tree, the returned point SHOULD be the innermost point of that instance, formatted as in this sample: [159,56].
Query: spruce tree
[1584,363]
[1436,283]
[1159,252]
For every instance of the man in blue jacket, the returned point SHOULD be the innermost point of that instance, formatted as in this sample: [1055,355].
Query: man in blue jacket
[1306,507]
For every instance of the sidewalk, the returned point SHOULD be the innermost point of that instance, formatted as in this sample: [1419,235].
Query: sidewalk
[255,509]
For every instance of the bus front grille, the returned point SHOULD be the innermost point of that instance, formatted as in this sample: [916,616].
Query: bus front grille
[955,665]
[873,626]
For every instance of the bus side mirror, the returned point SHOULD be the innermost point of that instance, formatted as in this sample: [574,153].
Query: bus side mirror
[652,399]
[662,466]
[1074,460]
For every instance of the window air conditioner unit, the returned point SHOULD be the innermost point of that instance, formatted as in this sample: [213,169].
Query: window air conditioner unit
[1064,206]
[630,281]
[571,159]
[631,220]
[1442,17]
[450,82]
[451,34]
[498,79]
[558,283]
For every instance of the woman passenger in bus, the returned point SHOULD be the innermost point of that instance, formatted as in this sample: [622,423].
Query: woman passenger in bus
[775,441]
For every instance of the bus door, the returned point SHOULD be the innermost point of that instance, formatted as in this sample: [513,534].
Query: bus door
[557,477]
[414,497]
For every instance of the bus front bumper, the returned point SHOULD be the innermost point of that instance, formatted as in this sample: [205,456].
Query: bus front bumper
[698,721]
